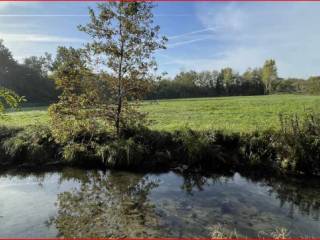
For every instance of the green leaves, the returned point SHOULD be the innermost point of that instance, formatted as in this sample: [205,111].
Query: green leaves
[10,99]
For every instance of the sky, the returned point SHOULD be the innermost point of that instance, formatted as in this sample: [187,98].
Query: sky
[202,35]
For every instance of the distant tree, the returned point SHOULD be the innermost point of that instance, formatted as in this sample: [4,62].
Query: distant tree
[7,64]
[285,85]
[186,78]
[125,38]
[6,59]
[42,64]
[313,85]
[269,74]
[204,79]
[220,89]
[228,76]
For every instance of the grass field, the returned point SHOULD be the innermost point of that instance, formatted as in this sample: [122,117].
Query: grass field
[233,114]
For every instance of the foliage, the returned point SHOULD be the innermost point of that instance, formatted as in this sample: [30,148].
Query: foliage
[77,107]
[301,144]
[314,85]
[32,145]
[205,150]
[259,153]
[209,84]
[124,38]
[269,74]
[218,232]
[294,149]
[9,98]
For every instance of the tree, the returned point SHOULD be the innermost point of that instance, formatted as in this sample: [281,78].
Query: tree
[124,39]
[220,84]
[228,76]
[42,64]
[76,109]
[6,59]
[205,79]
[313,85]
[269,74]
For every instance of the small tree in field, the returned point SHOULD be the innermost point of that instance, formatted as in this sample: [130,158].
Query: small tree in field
[124,38]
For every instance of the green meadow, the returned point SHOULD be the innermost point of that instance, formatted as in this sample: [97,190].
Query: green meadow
[231,114]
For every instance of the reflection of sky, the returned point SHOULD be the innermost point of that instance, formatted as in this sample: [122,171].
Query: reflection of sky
[202,36]
[27,203]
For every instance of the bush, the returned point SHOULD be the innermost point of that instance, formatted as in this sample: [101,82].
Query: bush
[301,144]
[259,153]
[34,145]
[204,150]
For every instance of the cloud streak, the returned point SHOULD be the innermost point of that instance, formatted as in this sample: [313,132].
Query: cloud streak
[14,37]
[43,15]
[191,33]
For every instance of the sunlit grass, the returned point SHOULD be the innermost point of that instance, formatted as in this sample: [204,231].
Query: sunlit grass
[234,114]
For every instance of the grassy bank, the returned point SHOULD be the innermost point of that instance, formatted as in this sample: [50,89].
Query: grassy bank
[230,114]
[294,149]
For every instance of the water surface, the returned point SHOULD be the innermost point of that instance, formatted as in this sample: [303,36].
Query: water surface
[79,203]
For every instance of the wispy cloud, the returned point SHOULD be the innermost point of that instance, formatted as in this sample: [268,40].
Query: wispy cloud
[191,33]
[14,37]
[44,15]
[77,15]
[173,15]
[180,43]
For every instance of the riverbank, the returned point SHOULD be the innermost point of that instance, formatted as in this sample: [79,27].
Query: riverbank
[293,150]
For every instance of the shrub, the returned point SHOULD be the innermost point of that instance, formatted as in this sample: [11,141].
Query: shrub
[259,153]
[122,153]
[300,148]
[206,150]
[34,144]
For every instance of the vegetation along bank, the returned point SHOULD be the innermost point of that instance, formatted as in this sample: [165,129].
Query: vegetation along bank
[293,150]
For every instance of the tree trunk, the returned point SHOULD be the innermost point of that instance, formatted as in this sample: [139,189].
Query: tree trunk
[119,102]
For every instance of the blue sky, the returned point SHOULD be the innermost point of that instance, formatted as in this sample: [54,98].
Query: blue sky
[202,35]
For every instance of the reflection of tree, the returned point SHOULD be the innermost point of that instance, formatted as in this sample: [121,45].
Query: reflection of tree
[302,195]
[192,181]
[112,205]
[297,194]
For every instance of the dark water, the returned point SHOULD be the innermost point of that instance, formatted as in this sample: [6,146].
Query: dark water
[81,203]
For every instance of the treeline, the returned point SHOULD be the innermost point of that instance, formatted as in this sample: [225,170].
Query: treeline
[227,82]
[209,84]
[32,79]
[29,79]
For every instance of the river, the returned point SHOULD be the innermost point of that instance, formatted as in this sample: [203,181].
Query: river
[89,203]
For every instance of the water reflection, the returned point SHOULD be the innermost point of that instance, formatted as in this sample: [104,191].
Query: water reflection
[121,204]
[301,197]
[112,205]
